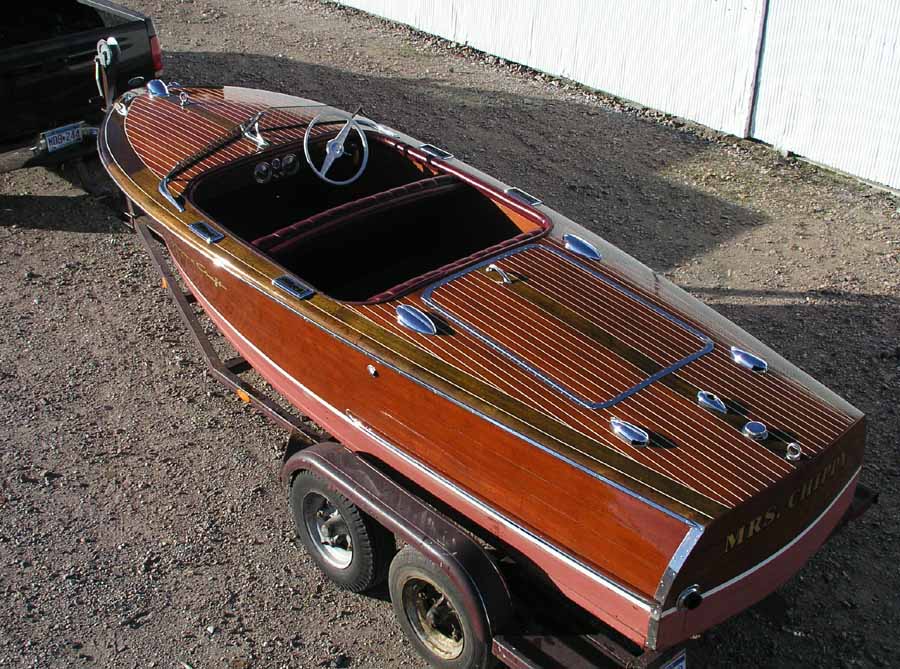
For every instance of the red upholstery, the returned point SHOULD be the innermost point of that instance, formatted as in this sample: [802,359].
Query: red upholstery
[286,238]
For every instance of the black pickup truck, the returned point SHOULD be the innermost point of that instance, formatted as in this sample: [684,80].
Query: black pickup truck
[50,102]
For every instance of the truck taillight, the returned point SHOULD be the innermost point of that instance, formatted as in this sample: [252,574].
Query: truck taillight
[156,54]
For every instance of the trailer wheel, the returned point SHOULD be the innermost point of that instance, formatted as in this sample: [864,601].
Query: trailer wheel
[430,610]
[348,546]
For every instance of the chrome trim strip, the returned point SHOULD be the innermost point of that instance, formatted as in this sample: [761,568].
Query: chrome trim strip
[547,547]
[563,390]
[784,548]
[677,562]
[435,151]
[582,247]
[523,197]
[293,286]
[206,232]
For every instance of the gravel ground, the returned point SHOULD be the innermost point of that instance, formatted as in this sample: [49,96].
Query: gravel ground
[141,522]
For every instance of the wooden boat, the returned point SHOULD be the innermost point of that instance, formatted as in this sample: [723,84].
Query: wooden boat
[664,468]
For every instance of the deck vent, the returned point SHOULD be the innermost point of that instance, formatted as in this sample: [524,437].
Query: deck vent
[415,319]
[755,430]
[432,150]
[157,88]
[206,232]
[293,286]
[710,401]
[522,196]
[630,434]
[748,360]
[576,244]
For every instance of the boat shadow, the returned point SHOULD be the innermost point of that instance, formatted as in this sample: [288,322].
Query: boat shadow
[69,208]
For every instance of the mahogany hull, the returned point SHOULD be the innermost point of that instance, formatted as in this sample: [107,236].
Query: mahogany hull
[506,415]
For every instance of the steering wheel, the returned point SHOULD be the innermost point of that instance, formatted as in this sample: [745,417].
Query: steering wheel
[334,149]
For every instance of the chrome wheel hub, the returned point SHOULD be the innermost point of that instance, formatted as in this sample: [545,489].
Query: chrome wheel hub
[433,618]
[329,531]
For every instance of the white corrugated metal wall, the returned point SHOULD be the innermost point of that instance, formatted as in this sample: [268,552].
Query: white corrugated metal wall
[826,76]
[829,84]
[691,58]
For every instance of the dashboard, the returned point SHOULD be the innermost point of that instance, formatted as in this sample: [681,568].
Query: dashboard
[276,168]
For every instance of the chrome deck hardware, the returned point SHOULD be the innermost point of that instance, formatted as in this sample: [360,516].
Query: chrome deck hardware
[584,248]
[156,88]
[415,319]
[755,430]
[206,232]
[793,452]
[293,286]
[630,434]
[711,401]
[522,196]
[748,360]
[494,267]
[432,150]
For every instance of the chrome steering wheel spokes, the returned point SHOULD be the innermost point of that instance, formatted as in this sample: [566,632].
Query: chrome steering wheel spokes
[334,149]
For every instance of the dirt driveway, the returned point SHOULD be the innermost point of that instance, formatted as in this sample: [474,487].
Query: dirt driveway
[141,523]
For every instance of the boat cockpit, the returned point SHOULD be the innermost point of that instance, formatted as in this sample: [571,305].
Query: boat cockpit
[358,216]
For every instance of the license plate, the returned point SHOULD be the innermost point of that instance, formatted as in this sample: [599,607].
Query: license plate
[677,662]
[60,138]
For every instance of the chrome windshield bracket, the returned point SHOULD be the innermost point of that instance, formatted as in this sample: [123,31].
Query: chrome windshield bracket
[164,191]
[251,131]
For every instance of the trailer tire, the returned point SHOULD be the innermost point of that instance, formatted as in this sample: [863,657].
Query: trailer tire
[430,610]
[347,545]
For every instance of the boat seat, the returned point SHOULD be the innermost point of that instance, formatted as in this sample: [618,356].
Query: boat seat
[284,239]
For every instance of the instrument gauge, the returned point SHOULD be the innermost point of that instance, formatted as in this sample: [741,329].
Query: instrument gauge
[262,173]
[276,165]
[290,164]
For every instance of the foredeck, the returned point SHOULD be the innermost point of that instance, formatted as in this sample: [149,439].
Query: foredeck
[585,345]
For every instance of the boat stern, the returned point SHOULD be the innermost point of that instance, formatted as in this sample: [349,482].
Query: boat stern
[752,550]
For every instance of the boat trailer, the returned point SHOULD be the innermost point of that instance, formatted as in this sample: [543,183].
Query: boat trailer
[530,625]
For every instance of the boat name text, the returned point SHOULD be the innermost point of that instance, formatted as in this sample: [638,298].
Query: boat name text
[753,527]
